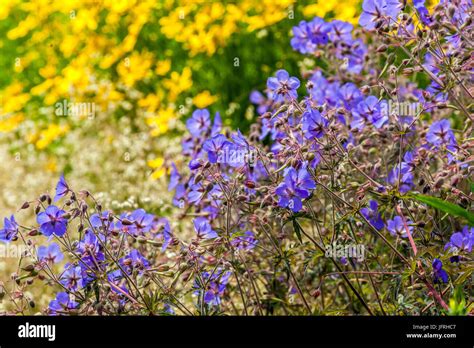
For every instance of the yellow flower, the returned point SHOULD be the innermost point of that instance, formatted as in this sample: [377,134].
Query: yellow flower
[157,165]
[10,123]
[160,122]
[162,67]
[135,67]
[204,99]
[178,83]
[50,134]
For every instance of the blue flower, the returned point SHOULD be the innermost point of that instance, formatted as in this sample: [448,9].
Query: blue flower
[350,95]
[51,221]
[195,164]
[440,133]
[461,241]
[283,86]
[294,188]
[403,180]
[90,249]
[50,254]
[102,222]
[368,110]
[396,227]
[62,303]
[258,99]
[62,188]
[142,221]
[203,228]
[72,277]
[167,235]
[175,177]
[134,261]
[246,242]
[196,193]
[214,287]
[374,10]
[9,230]
[340,31]
[422,11]
[217,125]
[199,122]
[439,274]
[373,215]
[215,147]
[307,36]
[314,125]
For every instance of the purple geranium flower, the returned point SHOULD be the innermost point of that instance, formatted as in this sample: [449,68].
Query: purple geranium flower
[89,247]
[283,86]
[438,272]
[246,242]
[199,122]
[461,241]
[175,177]
[294,188]
[102,221]
[9,230]
[72,277]
[50,254]
[375,10]
[258,99]
[214,286]
[203,228]
[314,125]
[62,188]
[142,221]
[440,133]
[134,261]
[51,221]
[62,303]
[215,147]
[368,110]
[373,215]
[340,31]
[396,227]
[196,193]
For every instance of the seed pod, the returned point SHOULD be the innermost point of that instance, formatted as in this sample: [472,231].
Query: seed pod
[25,205]
[33,232]
[126,222]
[250,184]
[29,268]
[66,216]
[163,268]
[37,209]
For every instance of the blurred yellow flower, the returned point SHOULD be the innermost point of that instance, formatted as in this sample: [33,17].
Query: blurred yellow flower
[135,67]
[50,134]
[10,123]
[162,67]
[157,165]
[204,99]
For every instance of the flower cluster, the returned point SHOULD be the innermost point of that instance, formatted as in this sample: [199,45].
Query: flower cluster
[338,159]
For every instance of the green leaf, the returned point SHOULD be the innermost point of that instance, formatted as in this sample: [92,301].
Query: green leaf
[447,207]
[297,228]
